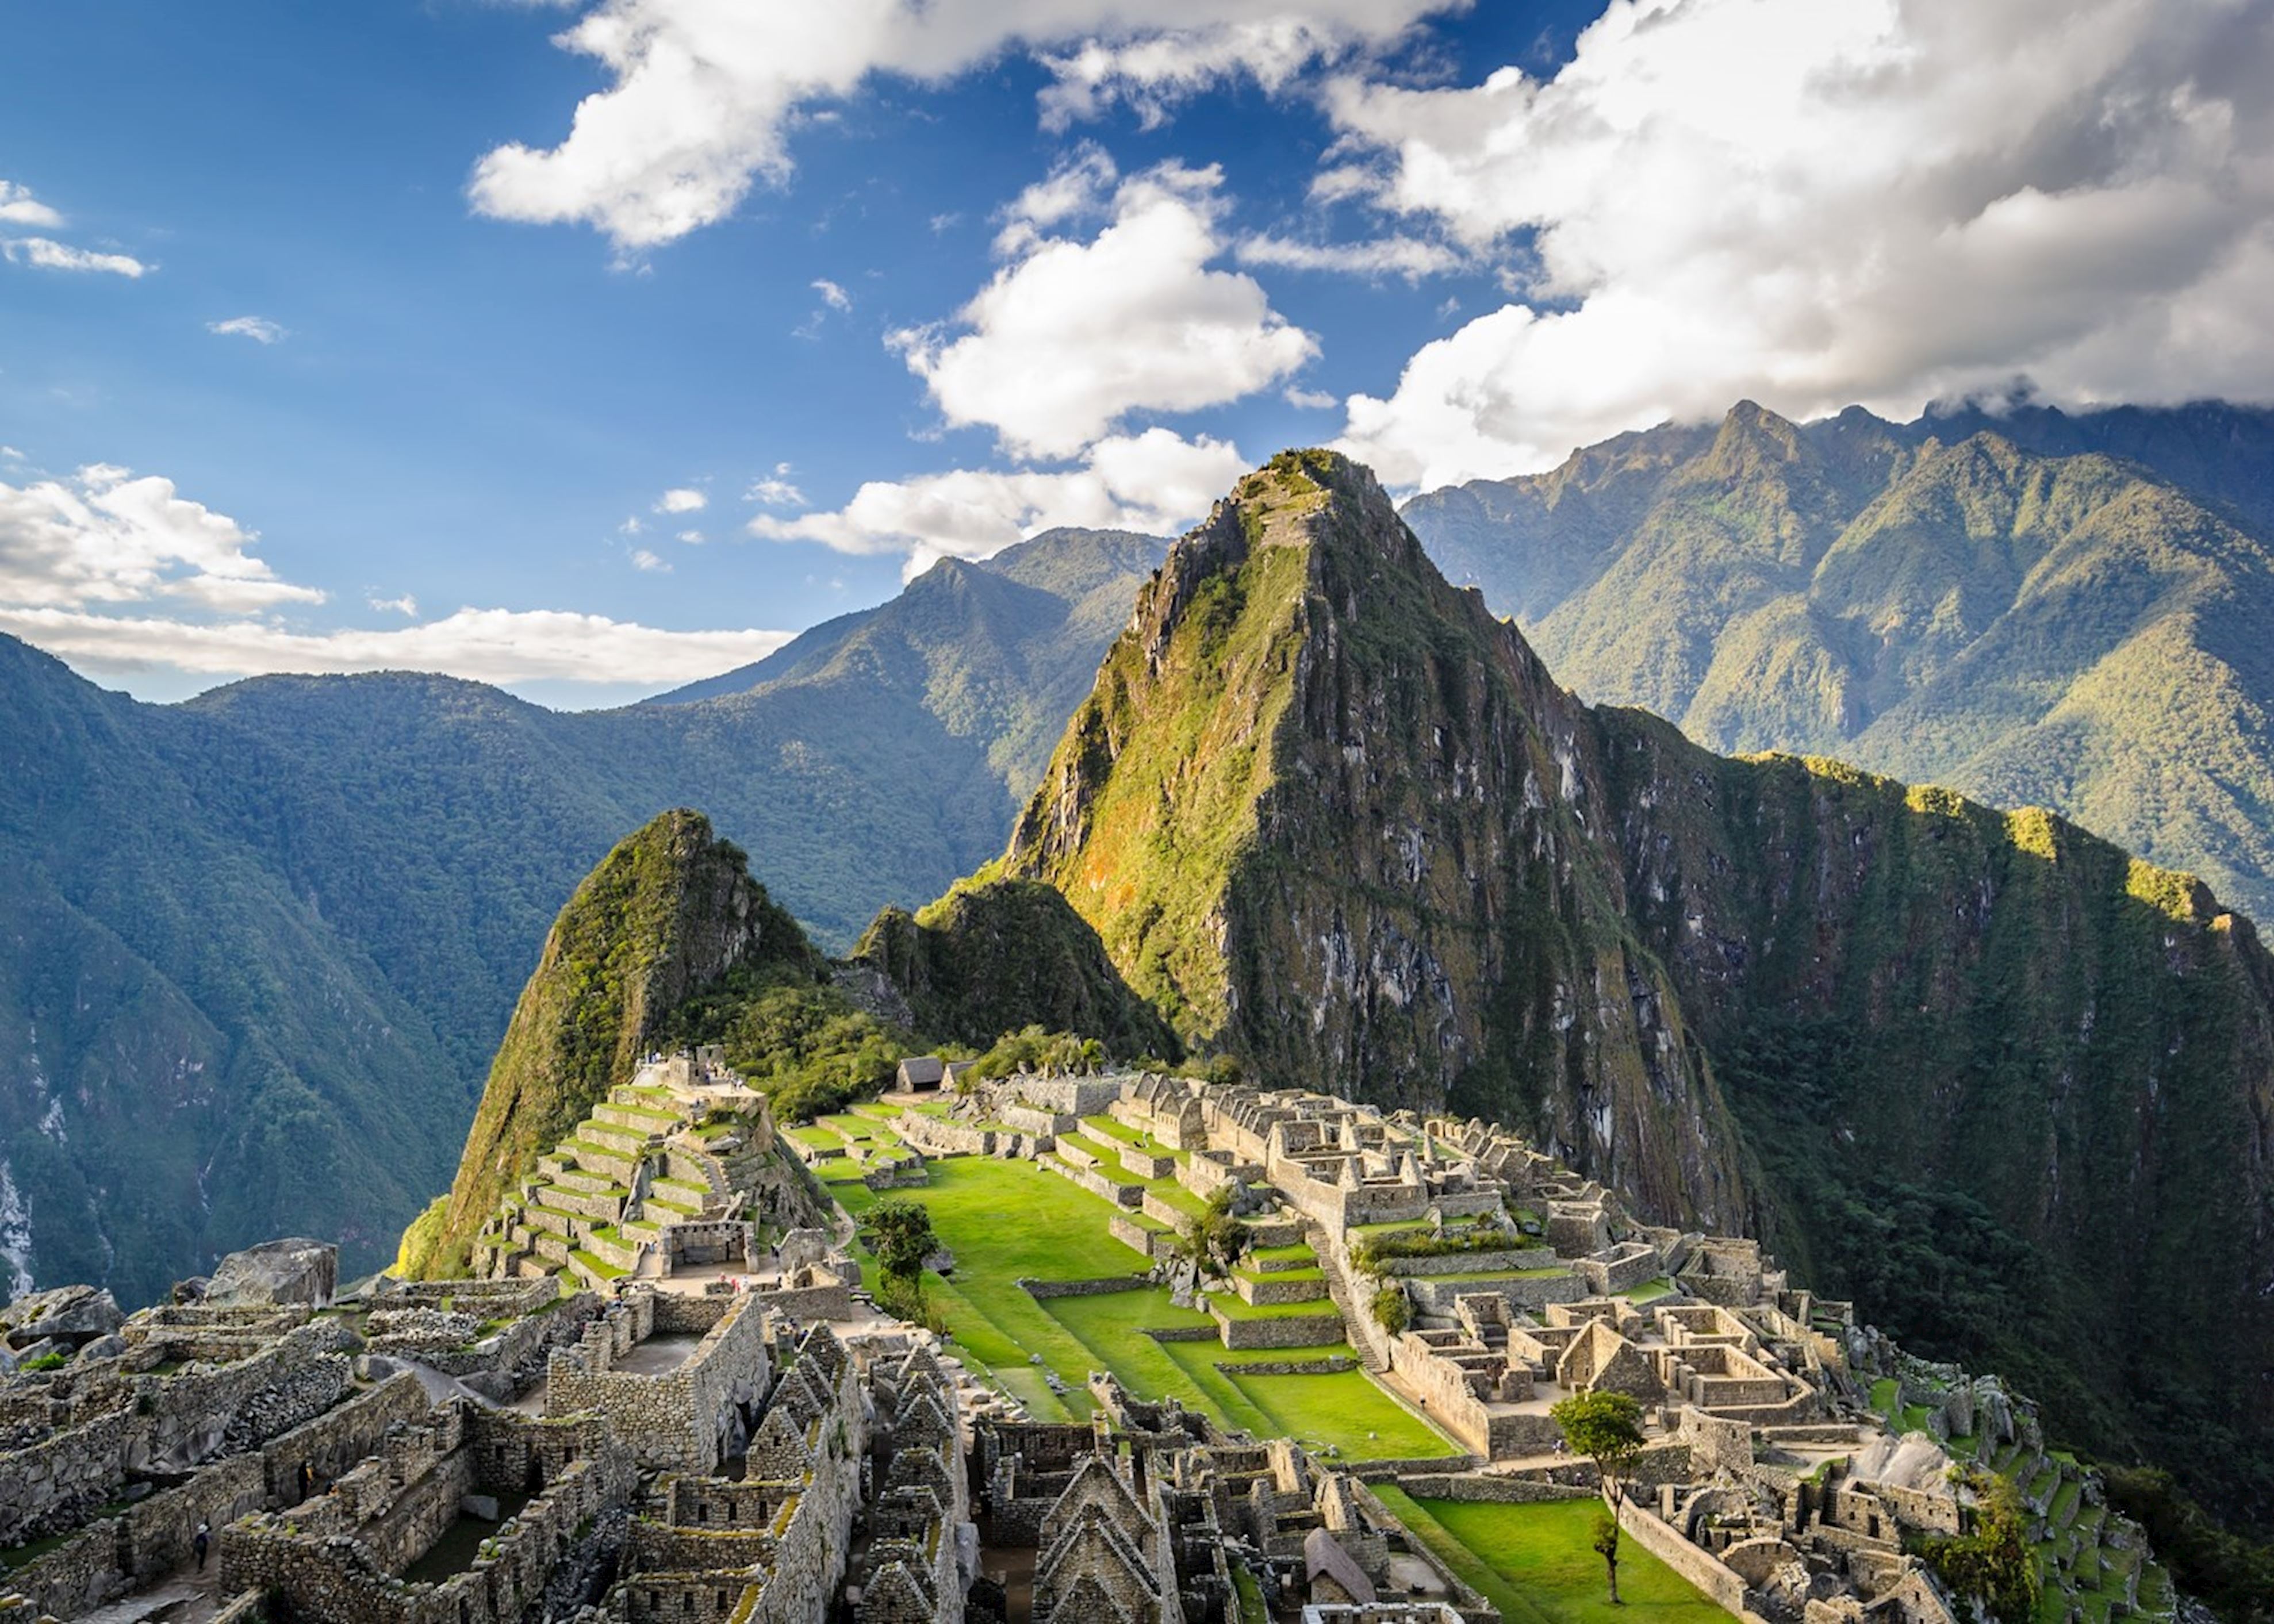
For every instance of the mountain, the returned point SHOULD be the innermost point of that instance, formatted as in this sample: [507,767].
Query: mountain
[669,913]
[262,944]
[2032,607]
[2012,1086]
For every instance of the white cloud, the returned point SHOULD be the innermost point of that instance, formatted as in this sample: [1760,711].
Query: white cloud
[775,490]
[47,255]
[1071,336]
[831,295]
[486,645]
[682,499]
[702,95]
[1813,203]
[20,207]
[1410,257]
[1156,482]
[260,329]
[693,539]
[1309,400]
[642,559]
[104,536]
[76,552]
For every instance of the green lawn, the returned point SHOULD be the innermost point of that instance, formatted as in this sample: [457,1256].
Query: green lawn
[1006,1220]
[1537,1563]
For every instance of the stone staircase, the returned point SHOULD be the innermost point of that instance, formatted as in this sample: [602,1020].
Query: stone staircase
[601,1195]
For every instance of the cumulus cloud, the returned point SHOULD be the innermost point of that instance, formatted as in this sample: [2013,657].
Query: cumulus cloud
[1816,203]
[114,572]
[260,329]
[20,207]
[104,536]
[682,498]
[1070,335]
[831,295]
[1156,482]
[643,559]
[47,255]
[486,645]
[702,95]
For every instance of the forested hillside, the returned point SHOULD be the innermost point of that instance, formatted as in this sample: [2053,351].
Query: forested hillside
[2034,608]
[287,920]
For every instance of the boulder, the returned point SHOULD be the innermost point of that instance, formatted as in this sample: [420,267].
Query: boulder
[112,1347]
[73,1314]
[191,1290]
[276,1274]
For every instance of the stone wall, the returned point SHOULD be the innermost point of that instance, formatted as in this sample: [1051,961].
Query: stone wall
[1278,1330]
[1041,1291]
[1153,1244]
[1722,1587]
[675,1422]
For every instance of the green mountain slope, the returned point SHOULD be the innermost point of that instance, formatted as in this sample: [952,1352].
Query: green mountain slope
[2008,1083]
[263,944]
[668,914]
[2035,609]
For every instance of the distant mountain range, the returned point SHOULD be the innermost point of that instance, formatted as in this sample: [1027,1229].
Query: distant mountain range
[261,946]
[2034,608]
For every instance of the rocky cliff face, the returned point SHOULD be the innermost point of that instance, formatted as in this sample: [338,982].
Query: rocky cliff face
[1335,817]
[1331,815]
[670,910]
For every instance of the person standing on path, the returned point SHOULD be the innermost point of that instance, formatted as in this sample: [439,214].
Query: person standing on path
[199,1543]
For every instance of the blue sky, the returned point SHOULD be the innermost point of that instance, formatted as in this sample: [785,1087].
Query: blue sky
[1003,265]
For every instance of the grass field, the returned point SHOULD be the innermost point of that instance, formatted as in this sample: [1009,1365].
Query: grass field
[1007,1220]
[1538,1564]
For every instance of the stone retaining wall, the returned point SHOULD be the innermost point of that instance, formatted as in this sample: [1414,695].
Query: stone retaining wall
[1577,1481]
[1098,1184]
[1278,1330]
[1042,1291]
[1333,1365]
[1135,1235]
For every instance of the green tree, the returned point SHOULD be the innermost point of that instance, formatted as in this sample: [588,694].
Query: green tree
[899,1232]
[1993,1559]
[1606,1427]
[1212,1238]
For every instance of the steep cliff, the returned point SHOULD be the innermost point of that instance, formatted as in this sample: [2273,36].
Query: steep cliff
[1332,815]
[2010,1085]
[669,912]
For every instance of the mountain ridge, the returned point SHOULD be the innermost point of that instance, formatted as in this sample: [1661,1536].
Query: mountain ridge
[2033,608]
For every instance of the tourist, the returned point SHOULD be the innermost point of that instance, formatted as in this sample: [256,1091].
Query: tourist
[199,1541]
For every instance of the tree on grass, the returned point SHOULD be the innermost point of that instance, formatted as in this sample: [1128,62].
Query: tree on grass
[1213,1239]
[899,1232]
[1607,1428]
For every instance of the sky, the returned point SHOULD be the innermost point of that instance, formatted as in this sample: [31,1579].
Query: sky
[594,346]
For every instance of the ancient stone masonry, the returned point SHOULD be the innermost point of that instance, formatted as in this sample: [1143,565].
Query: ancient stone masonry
[732,1433]
[674,1168]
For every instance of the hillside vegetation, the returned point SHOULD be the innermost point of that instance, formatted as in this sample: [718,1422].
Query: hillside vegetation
[2037,609]
[2006,1082]
[264,944]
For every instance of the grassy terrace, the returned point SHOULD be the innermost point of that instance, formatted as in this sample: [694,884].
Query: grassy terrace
[1009,1220]
[1537,1563]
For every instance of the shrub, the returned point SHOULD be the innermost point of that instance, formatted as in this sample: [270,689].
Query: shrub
[1391,1311]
